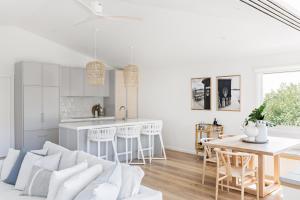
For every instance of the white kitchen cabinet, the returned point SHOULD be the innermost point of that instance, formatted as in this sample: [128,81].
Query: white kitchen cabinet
[76,82]
[36,104]
[32,73]
[65,81]
[50,75]
[32,107]
[50,118]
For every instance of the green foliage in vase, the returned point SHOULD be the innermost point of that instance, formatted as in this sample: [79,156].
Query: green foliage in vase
[256,115]
[282,107]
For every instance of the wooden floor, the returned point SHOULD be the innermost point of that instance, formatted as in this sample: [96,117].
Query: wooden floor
[179,178]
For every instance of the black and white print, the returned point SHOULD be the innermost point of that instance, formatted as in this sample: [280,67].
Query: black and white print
[201,93]
[229,93]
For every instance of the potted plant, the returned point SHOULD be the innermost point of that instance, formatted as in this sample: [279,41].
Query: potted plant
[256,126]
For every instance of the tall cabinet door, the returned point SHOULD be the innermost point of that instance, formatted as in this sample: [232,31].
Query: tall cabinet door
[50,75]
[76,81]
[64,81]
[32,108]
[50,107]
[32,73]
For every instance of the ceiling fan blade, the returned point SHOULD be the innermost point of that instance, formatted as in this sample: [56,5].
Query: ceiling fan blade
[85,4]
[85,20]
[123,18]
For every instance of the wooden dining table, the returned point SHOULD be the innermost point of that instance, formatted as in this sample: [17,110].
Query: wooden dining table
[274,147]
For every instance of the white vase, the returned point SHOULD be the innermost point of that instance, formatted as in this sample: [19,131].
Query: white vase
[251,132]
[262,131]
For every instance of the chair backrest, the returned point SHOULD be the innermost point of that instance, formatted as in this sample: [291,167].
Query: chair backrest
[225,157]
[102,133]
[153,128]
[129,131]
[208,151]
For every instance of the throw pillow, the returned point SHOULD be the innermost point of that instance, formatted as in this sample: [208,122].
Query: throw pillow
[38,182]
[40,152]
[48,162]
[13,175]
[131,181]
[59,177]
[105,187]
[72,187]
[68,158]
[9,162]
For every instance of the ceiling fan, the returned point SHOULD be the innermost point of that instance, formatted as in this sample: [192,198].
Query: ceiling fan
[96,8]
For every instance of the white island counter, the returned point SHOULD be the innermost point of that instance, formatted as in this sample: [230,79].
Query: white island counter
[74,135]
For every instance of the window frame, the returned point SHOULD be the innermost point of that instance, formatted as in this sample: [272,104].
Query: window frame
[289,131]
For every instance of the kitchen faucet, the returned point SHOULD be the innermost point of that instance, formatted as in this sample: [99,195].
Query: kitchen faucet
[126,112]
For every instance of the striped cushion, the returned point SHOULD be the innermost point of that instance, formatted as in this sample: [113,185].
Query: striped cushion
[38,182]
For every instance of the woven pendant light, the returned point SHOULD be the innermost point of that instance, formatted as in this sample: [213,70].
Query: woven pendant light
[131,76]
[95,70]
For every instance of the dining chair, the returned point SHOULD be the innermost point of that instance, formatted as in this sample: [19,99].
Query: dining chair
[208,156]
[241,171]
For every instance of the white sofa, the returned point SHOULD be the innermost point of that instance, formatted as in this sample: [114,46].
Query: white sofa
[8,192]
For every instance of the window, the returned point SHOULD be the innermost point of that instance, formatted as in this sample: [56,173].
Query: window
[281,93]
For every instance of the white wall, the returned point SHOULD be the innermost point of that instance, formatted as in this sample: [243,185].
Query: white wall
[19,45]
[165,94]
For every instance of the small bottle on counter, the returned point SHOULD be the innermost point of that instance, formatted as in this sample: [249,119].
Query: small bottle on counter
[96,113]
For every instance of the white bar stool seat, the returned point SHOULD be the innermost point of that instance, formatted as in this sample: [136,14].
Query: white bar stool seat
[151,130]
[99,135]
[131,132]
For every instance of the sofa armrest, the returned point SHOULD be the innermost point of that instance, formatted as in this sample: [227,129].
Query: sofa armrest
[146,193]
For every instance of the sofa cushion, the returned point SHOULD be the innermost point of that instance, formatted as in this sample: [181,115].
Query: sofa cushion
[131,175]
[72,187]
[38,183]
[68,158]
[9,163]
[105,187]
[47,162]
[13,175]
[8,192]
[59,177]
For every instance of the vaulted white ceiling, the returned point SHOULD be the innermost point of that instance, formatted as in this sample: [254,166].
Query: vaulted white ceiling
[178,30]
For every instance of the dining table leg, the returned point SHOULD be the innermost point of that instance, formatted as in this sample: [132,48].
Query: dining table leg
[261,174]
[276,169]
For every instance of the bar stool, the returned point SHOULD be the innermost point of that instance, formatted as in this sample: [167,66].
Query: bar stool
[102,135]
[151,130]
[130,132]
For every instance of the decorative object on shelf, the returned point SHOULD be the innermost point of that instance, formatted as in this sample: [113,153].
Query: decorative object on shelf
[201,93]
[97,110]
[95,70]
[215,122]
[229,93]
[255,127]
[131,75]
[204,130]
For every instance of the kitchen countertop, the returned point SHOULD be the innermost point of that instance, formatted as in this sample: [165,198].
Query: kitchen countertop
[102,123]
[86,119]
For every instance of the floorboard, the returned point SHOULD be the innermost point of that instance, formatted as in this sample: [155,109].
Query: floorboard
[179,178]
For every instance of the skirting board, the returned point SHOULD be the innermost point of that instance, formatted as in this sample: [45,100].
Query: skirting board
[189,151]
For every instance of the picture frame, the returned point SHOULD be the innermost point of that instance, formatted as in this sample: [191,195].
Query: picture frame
[228,93]
[201,93]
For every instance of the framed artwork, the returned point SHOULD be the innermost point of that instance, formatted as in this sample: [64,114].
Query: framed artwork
[201,93]
[229,93]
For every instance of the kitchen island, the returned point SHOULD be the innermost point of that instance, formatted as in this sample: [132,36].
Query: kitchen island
[74,135]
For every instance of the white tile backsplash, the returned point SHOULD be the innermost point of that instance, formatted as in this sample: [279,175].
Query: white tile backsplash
[78,106]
